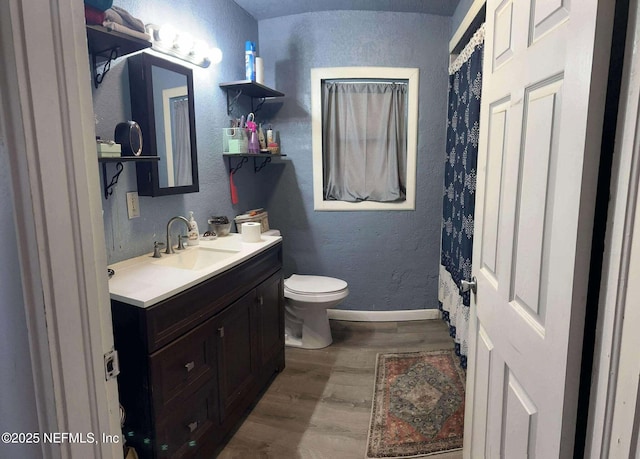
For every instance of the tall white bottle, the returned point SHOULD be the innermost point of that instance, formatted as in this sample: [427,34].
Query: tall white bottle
[193,236]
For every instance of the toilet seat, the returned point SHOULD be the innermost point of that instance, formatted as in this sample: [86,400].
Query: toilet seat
[315,289]
[314,285]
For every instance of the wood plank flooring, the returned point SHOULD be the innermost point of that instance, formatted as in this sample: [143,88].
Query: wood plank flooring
[320,405]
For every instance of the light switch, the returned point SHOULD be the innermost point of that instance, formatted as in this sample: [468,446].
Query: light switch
[133,206]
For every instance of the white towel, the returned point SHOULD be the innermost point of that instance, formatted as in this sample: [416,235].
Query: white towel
[123,17]
[126,30]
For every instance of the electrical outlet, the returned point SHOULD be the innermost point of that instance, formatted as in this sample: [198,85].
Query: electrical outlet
[133,206]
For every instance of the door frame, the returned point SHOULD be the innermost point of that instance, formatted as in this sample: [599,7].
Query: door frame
[49,130]
[613,421]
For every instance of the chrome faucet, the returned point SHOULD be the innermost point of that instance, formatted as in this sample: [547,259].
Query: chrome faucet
[173,219]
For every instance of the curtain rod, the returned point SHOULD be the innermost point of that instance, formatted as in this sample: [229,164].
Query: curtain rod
[361,81]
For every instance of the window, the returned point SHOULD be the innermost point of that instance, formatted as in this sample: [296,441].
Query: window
[364,123]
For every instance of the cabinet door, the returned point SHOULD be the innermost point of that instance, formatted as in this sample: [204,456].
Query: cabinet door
[237,356]
[270,317]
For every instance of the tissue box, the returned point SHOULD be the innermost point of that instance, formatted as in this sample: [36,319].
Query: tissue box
[260,217]
[109,150]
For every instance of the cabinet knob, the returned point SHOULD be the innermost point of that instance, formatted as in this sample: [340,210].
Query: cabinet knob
[190,366]
[193,426]
[221,332]
[261,300]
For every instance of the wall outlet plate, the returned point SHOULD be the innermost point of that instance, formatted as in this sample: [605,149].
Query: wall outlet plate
[111,364]
[133,205]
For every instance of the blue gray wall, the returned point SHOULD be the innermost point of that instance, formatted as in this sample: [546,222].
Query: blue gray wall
[390,259]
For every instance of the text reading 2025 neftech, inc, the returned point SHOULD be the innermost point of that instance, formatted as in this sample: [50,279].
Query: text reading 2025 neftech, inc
[58,437]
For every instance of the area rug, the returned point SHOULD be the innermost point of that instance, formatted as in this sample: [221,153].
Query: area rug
[418,405]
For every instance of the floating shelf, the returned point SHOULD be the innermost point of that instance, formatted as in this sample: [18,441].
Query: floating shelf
[251,89]
[106,45]
[108,187]
[265,157]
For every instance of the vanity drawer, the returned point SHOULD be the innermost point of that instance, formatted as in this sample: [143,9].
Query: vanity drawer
[190,429]
[177,370]
[171,318]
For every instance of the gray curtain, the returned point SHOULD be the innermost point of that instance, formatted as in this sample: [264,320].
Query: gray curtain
[181,143]
[364,141]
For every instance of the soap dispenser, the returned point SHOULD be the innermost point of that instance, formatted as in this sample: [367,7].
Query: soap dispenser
[193,237]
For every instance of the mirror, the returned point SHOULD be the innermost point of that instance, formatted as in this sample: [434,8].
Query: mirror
[162,104]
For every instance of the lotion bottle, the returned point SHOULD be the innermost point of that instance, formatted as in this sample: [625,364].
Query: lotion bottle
[193,236]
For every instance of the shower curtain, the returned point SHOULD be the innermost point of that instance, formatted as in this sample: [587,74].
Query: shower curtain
[463,129]
[181,142]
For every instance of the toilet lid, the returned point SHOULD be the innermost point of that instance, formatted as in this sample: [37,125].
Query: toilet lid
[314,284]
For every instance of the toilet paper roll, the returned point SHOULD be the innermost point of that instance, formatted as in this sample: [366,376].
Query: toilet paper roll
[259,70]
[251,232]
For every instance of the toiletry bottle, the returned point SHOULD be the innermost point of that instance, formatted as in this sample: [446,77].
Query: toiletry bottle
[250,60]
[269,135]
[263,141]
[193,237]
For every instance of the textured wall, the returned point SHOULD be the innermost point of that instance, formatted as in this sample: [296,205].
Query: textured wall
[390,259]
[224,24]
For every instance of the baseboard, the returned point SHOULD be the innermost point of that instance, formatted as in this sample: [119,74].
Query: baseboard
[383,316]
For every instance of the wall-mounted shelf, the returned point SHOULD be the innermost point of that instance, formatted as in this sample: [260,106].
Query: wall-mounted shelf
[251,89]
[108,187]
[106,45]
[262,158]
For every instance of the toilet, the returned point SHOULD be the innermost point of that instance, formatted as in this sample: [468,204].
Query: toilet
[307,299]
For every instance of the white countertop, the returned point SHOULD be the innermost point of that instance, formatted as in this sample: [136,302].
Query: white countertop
[142,282]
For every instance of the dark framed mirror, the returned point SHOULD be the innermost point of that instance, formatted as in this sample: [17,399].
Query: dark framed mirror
[162,104]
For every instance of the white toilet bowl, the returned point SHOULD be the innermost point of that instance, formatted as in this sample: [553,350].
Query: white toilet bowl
[307,299]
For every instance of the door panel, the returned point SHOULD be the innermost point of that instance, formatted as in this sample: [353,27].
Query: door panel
[495,166]
[541,118]
[503,42]
[535,198]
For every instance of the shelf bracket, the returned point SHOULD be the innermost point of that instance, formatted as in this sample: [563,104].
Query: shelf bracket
[231,103]
[233,170]
[259,106]
[99,77]
[265,161]
[108,187]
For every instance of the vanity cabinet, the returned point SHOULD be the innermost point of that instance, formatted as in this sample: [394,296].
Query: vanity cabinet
[191,365]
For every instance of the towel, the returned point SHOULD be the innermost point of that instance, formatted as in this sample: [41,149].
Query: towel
[126,30]
[93,16]
[123,17]
[102,5]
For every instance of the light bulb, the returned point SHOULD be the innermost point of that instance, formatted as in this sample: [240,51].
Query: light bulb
[167,34]
[184,42]
[215,55]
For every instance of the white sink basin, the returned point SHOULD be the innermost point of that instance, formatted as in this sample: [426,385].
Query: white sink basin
[144,281]
[195,258]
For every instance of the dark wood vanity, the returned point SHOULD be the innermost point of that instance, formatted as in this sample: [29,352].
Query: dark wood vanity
[193,364]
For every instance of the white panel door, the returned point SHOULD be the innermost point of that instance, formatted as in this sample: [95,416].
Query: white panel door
[541,117]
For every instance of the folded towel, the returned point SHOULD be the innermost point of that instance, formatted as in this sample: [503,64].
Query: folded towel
[93,16]
[102,5]
[123,17]
[126,30]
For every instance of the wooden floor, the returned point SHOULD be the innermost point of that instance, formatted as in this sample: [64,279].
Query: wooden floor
[320,405]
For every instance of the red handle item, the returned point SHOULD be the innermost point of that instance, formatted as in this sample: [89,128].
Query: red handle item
[233,189]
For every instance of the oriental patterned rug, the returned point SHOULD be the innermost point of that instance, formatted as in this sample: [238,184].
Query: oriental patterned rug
[418,405]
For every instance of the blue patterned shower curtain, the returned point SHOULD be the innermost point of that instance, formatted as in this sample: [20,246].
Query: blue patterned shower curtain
[463,130]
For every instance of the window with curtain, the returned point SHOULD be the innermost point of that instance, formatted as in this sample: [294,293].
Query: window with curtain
[364,138]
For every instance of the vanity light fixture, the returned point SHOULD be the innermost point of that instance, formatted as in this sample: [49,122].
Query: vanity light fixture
[168,40]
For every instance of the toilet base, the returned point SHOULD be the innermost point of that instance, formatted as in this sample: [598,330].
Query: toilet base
[307,328]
